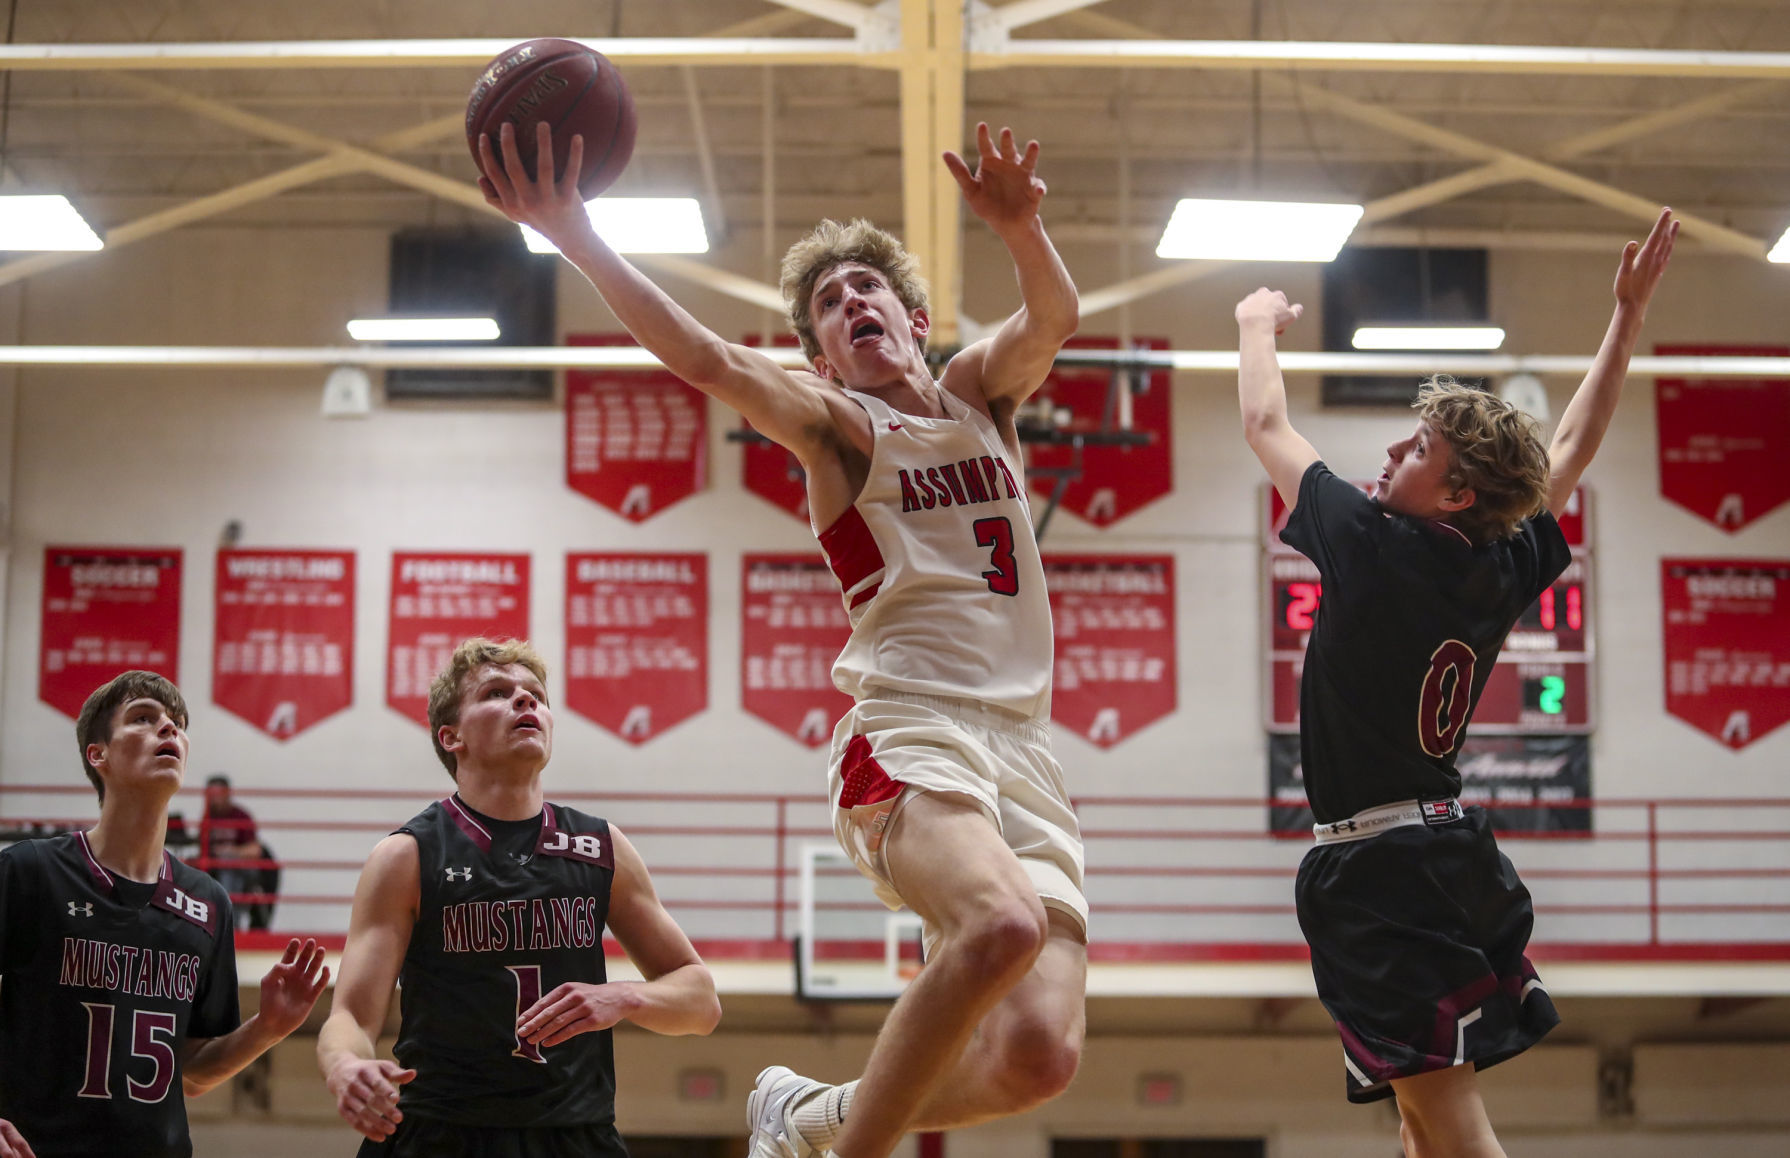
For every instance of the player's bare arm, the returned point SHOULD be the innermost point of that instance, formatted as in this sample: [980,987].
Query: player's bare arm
[1005,192]
[288,992]
[386,902]
[790,408]
[1588,415]
[677,995]
[1262,392]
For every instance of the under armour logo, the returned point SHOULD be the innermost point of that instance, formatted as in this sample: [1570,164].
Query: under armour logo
[460,874]
[81,910]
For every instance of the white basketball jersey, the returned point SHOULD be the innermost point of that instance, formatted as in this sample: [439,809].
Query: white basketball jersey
[939,566]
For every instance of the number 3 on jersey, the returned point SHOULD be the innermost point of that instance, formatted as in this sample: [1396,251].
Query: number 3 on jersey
[997,533]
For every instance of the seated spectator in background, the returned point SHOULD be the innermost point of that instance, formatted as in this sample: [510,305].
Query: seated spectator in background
[227,835]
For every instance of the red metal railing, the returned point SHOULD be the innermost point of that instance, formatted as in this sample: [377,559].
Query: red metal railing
[1170,878]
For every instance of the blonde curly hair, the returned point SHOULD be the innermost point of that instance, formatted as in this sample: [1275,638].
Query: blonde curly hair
[1498,452]
[832,244]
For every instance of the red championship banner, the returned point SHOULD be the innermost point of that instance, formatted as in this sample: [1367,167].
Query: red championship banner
[283,655]
[106,610]
[792,628]
[438,600]
[766,469]
[1114,618]
[636,440]
[1113,481]
[637,640]
[1727,645]
[774,475]
[1722,441]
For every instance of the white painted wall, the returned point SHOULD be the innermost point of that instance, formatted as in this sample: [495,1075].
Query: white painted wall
[167,457]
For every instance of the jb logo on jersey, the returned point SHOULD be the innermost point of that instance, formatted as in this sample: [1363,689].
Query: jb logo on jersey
[175,900]
[585,846]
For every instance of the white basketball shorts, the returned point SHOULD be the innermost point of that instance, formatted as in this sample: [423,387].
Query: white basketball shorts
[894,744]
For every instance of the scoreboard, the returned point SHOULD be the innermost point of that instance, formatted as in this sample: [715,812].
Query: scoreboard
[1541,684]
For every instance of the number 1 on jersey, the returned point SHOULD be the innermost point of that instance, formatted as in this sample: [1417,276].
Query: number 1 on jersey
[997,533]
[528,991]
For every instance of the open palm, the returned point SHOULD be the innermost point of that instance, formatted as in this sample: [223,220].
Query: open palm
[292,986]
[1643,263]
[1004,191]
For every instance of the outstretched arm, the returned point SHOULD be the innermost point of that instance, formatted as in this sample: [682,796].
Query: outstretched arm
[1262,392]
[773,400]
[386,901]
[1587,416]
[1005,192]
[678,995]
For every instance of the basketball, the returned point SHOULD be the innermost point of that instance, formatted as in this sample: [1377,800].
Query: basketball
[574,89]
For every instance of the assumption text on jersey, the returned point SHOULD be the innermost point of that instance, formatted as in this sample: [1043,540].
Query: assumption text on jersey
[973,480]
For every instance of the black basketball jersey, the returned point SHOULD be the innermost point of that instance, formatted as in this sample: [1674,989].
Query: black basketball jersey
[510,911]
[1410,623]
[104,981]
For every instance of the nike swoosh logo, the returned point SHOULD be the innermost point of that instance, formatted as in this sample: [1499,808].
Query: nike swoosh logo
[896,426]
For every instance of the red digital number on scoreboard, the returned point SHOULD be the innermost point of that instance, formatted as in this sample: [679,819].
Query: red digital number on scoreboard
[1542,680]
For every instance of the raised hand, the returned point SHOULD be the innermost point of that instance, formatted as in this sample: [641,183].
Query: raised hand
[1269,306]
[1642,264]
[574,1008]
[366,1094]
[1004,191]
[292,986]
[550,204]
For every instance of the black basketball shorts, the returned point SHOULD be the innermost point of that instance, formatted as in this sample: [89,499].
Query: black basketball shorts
[426,1138]
[1417,943]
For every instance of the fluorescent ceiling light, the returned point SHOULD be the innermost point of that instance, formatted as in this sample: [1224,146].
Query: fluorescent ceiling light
[1257,230]
[43,222]
[640,225]
[1780,252]
[423,329]
[1421,337]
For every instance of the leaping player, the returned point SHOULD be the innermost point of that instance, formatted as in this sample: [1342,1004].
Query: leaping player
[1417,923]
[944,790]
